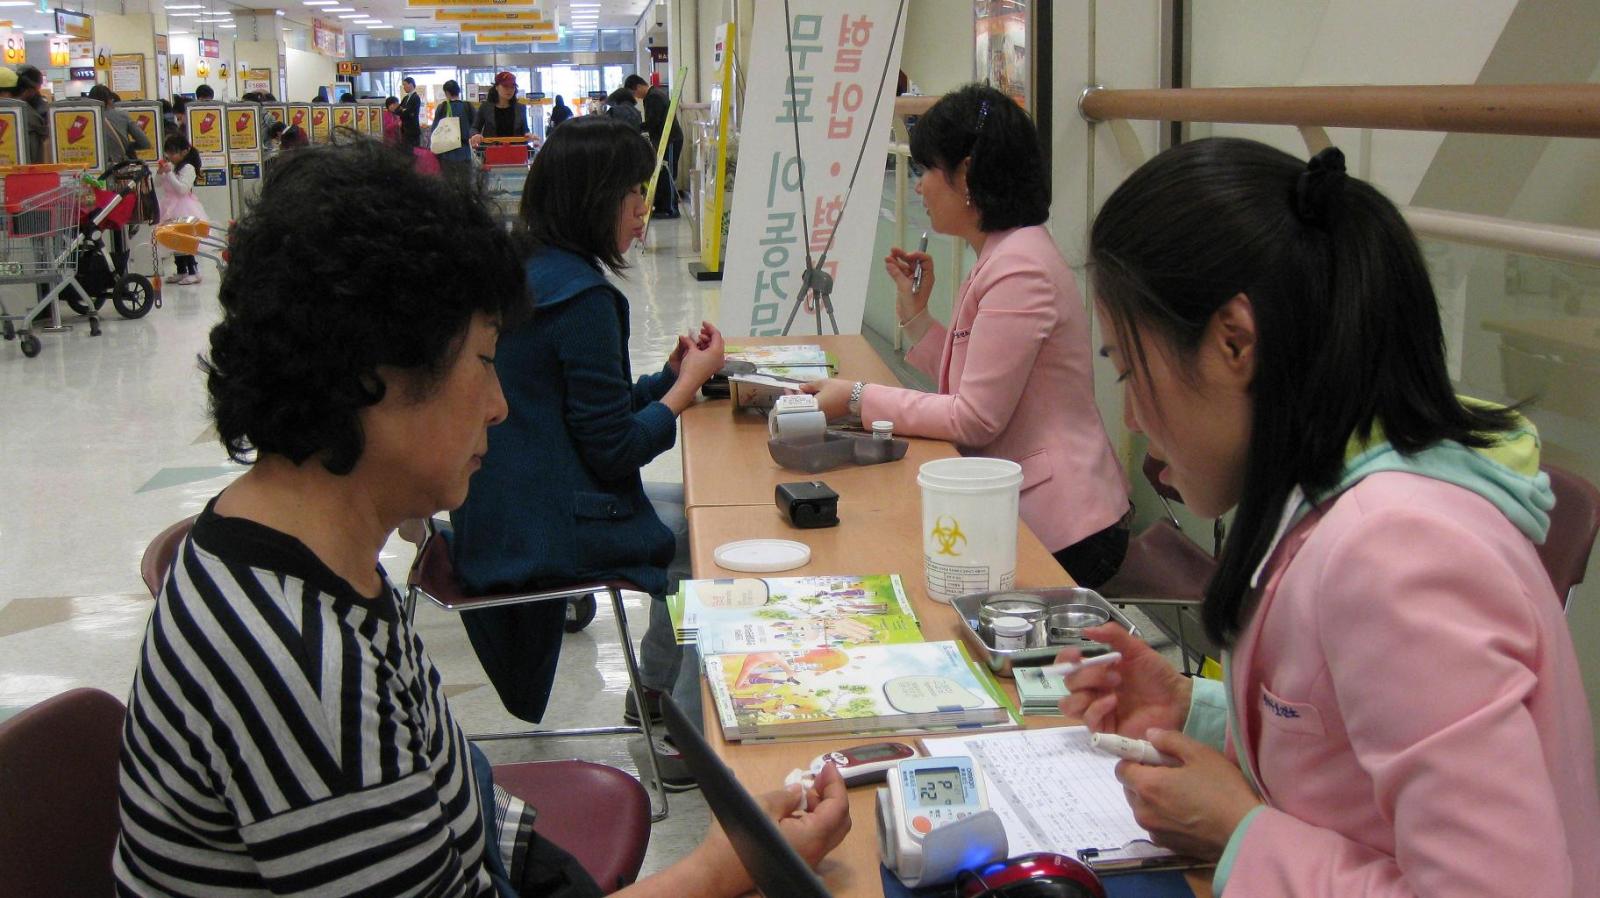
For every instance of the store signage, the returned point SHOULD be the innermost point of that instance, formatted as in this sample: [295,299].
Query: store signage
[243,135]
[504,27]
[60,52]
[16,46]
[504,38]
[348,68]
[11,136]
[210,49]
[127,75]
[212,177]
[75,24]
[842,112]
[344,115]
[473,15]
[148,118]
[257,80]
[328,39]
[76,137]
[434,4]
[81,73]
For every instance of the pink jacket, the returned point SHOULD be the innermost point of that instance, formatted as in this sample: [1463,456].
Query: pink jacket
[1016,381]
[175,194]
[1412,708]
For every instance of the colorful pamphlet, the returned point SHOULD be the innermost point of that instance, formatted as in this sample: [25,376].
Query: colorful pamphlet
[793,613]
[831,691]
[794,362]
[1037,693]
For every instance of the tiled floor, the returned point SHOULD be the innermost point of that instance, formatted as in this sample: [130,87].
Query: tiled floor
[104,441]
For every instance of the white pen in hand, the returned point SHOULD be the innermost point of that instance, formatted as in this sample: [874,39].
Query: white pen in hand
[1136,750]
[1068,668]
[916,272]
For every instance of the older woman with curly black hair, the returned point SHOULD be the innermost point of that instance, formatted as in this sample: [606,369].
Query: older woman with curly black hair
[287,731]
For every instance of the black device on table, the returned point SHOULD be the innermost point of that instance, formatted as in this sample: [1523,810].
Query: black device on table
[808,504]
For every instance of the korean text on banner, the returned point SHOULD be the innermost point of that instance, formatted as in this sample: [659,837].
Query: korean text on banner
[839,51]
[75,137]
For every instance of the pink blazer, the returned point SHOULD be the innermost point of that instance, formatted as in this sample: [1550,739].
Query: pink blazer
[1412,708]
[1016,381]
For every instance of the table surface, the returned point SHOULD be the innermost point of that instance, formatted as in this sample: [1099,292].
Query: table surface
[879,532]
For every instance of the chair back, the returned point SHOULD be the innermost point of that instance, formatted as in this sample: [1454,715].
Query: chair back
[58,786]
[160,554]
[1573,524]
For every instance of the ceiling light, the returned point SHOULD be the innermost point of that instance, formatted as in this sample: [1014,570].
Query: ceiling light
[380,27]
[184,15]
[280,12]
[227,26]
[320,2]
[36,32]
[16,3]
[340,9]
[186,6]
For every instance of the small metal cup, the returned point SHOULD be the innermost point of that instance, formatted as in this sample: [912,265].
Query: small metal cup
[1067,622]
[1013,604]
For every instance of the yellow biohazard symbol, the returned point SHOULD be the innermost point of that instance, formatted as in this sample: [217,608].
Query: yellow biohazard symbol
[947,532]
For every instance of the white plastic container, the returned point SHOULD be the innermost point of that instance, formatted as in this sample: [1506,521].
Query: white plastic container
[1011,633]
[969,525]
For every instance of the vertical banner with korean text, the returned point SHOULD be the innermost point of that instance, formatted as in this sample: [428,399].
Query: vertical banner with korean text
[841,49]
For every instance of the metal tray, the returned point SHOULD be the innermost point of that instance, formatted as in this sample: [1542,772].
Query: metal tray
[834,450]
[1002,660]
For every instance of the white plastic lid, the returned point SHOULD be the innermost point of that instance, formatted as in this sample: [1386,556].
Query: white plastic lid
[759,556]
[1010,626]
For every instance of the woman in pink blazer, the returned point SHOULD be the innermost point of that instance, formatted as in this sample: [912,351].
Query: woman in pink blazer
[1014,370]
[1401,711]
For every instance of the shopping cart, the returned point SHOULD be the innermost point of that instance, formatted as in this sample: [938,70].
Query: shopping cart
[39,241]
[102,263]
[505,170]
[195,237]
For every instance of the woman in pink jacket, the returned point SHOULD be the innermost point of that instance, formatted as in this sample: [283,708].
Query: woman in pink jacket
[1014,368]
[1401,711]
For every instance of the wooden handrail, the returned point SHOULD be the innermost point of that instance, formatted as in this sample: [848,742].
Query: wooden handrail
[1538,110]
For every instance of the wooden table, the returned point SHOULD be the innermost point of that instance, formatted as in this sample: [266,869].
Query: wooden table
[728,488]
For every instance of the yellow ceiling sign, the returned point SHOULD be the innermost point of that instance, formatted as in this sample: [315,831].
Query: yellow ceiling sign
[505,38]
[546,30]
[425,4]
[477,15]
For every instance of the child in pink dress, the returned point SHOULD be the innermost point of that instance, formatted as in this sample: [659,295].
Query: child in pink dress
[176,173]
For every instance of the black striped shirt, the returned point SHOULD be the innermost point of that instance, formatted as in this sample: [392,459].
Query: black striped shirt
[287,736]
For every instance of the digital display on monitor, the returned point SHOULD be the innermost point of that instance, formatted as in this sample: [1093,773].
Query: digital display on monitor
[940,786]
[874,754]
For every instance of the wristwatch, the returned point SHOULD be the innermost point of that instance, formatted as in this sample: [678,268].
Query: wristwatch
[855,398]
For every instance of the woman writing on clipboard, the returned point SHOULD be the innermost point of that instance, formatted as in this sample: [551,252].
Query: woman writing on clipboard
[1013,368]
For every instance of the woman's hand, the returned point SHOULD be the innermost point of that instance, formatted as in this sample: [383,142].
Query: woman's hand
[701,340]
[902,267]
[474,140]
[699,361]
[1140,692]
[1192,808]
[833,396]
[811,833]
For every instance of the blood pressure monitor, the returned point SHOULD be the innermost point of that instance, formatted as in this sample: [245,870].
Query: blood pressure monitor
[934,820]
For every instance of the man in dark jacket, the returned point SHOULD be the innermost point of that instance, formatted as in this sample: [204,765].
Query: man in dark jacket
[656,102]
[410,114]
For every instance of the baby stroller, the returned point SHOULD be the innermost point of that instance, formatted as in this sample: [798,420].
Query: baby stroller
[102,262]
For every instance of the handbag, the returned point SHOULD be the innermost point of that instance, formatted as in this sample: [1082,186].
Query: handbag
[446,133]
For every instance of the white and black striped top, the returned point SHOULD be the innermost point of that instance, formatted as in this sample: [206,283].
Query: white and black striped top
[286,735]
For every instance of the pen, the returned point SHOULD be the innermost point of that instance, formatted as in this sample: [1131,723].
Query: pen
[916,273]
[1067,668]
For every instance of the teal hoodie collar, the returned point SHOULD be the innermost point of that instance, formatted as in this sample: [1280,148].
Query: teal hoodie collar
[556,275]
[1506,474]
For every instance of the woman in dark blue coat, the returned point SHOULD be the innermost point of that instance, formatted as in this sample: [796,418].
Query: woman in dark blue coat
[559,499]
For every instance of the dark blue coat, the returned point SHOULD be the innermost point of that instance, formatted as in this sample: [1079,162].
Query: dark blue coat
[559,499]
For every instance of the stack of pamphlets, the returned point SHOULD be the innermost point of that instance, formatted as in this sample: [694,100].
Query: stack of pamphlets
[791,613]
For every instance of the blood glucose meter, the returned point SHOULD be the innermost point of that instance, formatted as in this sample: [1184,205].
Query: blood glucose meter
[934,821]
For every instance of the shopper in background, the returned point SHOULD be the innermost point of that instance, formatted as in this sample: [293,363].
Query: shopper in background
[456,163]
[176,173]
[622,106]
[559,113]
[30,87]
[271,141]
[560,499]
[657,102]
[123,137]
[204,93]
[294,137]
[322,95]
[1014,372]
[180,115]
[410,113]
[501,115]
[391,121]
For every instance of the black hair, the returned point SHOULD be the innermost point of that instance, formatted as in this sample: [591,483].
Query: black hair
[560,101]
[204,92]
[452,88]
[322,291]
[575,188]
[275,130]
[622,95]
[1348,329]
[390,99]
[409,80]
[347,97]
[103,94]
[1007,179]
[293,136]
[633,81]
[177,143]
[29,76]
